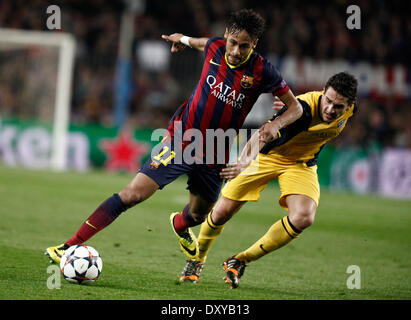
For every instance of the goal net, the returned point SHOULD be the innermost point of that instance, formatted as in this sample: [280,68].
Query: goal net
[36,70]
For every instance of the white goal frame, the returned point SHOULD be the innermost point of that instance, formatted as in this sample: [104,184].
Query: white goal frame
[66,44]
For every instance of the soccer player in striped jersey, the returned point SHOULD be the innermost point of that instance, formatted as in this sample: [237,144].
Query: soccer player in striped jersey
[292,159]
[232,78]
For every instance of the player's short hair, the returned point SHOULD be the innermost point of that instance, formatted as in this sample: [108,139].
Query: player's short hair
[248,20]
[345,84]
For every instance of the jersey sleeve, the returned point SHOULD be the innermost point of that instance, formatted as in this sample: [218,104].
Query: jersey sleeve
[212,45]
[273,81]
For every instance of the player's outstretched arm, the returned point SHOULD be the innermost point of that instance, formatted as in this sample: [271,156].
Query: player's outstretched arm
[180,42]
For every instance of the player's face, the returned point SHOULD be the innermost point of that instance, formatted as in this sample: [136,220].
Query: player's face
[238,46]
[333,105]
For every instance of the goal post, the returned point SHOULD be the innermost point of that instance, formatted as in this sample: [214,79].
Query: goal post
[65,44]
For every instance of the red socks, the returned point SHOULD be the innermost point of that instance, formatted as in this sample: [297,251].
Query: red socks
[105,214]
[184,220]
[110,209]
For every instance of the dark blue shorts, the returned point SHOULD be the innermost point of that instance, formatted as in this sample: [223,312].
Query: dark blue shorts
[203,180]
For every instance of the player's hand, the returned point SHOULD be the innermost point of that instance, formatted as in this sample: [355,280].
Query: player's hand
[232,170]
[175,39]
[268,132]
[277,104]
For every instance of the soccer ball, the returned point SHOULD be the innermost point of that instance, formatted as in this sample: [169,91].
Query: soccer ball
[81,264]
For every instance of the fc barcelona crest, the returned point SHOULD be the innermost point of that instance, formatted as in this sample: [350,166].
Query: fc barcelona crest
[247,81]
[154,165]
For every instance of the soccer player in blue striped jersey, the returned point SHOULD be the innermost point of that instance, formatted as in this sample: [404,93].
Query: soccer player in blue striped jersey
[232,78]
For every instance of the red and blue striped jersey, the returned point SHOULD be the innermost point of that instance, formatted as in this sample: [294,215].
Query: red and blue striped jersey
[225,94]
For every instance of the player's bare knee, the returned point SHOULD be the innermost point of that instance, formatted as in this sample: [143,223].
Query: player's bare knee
[220,216]
[302,219]
[306,221]
[131,197]
[225,209]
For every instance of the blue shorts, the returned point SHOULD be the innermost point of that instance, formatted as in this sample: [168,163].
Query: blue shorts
[203,179]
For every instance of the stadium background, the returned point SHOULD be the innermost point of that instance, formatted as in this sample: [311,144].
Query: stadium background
[307,45]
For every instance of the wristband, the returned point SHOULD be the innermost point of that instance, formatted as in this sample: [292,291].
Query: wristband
[185,40]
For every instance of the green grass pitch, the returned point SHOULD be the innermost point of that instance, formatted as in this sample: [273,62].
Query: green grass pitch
[142,260]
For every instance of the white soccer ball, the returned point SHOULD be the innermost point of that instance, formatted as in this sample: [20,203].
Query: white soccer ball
[81,264]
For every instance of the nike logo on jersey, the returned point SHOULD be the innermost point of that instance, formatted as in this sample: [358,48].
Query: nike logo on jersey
[215,63]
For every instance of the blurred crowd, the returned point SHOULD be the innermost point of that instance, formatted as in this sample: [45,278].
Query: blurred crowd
[315,29]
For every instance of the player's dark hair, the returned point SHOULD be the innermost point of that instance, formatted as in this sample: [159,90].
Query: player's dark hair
[248,20]
[345,84]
